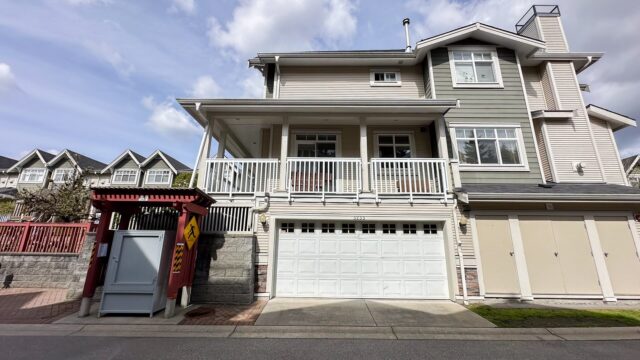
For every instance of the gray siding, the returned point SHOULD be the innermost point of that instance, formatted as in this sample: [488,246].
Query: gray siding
[349,82]
[63,164]
[531,30]
[482,106]
[427,80]
[156,164]
[33,163]
[126,163]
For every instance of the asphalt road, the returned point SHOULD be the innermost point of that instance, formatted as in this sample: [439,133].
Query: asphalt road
[78,347]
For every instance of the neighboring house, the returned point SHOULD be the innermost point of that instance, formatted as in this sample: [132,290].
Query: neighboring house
[467,166]
[32,170]
[7,180]
[632,170]
[67,163]
[131,169]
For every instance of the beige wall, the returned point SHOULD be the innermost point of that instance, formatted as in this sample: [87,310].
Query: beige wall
[314,82]
[611,163]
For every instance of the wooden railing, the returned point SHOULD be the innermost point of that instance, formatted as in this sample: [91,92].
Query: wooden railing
[324,176]
[409,177]
[42,237]
[241,176]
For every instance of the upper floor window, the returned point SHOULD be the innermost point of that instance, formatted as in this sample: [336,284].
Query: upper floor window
[475,67]
[385,78]
[158,176]
[33,175]
[316,145]
[394,145]
[489,146]
[62,175]
[125,176]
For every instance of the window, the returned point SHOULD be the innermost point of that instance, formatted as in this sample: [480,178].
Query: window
[286,227]
[125,176]
[488,146]
[316,145]
[368,228]
[158,176]
[385,78]
[430,228]
[328,228]
[388,228]
[348,228]
[475,67]
[409,228]
[62,175]
[308,227]
[34,175]
[394,146]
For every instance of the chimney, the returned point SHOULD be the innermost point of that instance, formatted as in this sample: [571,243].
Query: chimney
[542,22]
[405,23]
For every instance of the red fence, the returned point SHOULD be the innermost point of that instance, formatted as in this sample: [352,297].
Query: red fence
[42,237]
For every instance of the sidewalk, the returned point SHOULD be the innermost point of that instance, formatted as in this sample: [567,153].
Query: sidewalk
[322,332]
[34,306]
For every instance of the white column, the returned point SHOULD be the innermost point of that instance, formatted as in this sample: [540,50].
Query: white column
[364,157]
[222,144]
[598,259]
[521,262]
[284,148]
[441,135]
[204,155]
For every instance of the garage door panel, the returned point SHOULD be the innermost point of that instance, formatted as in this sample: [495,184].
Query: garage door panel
[621,254]
[352,265]
[538,239]
[498,266]
[576,260]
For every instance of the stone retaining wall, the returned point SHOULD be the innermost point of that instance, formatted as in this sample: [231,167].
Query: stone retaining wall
[224,269]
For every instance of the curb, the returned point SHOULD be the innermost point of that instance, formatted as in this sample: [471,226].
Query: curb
[324,332]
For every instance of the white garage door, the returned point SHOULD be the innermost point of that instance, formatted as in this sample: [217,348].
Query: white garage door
[361,260]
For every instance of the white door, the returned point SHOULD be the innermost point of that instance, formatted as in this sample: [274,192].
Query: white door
[361,260]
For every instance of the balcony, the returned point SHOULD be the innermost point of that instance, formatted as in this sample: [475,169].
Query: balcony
[329,177]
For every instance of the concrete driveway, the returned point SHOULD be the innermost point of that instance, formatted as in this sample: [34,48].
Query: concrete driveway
[361,312]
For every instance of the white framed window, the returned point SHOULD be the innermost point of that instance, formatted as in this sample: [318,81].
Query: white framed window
[158,176]
[33,175]
[475,67]
[125,176]
[61,175]
[394,145]
[489,147]
[316,145]
[380,77]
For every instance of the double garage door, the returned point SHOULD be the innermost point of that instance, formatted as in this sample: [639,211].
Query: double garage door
[361,260]
[559,255]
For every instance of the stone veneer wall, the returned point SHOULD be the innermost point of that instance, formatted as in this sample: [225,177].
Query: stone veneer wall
[224,269]
[471,276]
[44,270]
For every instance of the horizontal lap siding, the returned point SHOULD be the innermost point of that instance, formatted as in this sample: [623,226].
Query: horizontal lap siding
[490,106]
[347,82]
[533,85]
[608,152]
[547,89]
[570,140]
[552,34]
[542,147]
[531,30]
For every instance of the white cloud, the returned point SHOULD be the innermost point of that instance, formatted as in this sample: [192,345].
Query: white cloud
[87,2]
[108,54]
[7,79]
[187,6]
[165,119]
[205,87]
[281,25]
[253,86]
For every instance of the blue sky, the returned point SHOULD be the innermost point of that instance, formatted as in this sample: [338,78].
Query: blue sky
[99,76]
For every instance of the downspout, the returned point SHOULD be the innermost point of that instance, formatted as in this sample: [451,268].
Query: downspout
[463,277]
[200,149]
[276,94]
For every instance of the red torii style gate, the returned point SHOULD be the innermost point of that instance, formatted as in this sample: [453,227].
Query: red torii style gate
[128,201]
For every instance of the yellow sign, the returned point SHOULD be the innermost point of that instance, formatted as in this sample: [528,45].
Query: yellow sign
[177,259]
[191,232]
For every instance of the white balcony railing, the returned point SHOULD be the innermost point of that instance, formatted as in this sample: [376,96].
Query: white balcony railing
[241,176]
[409,177]
[322,176]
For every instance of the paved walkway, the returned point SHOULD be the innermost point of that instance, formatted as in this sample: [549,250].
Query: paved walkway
[381,313]
[34,306]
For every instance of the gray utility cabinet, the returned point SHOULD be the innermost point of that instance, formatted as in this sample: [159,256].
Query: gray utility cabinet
[138,272]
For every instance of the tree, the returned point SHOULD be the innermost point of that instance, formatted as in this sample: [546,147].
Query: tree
[6,206]
[66,202]
[182,180]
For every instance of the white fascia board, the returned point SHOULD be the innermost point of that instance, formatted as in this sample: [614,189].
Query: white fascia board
[66,153]
[552,114]
[27,158]
[154,155]
[617,121]
[118,159]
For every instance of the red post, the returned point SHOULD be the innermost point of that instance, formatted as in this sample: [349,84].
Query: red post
[176,277]
[95,265]
[24,237]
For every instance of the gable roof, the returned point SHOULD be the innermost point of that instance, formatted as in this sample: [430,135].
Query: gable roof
[81,161]
[43,156]
[175,165]
[6,163]
[137,158]
[629,163]
[617,121]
